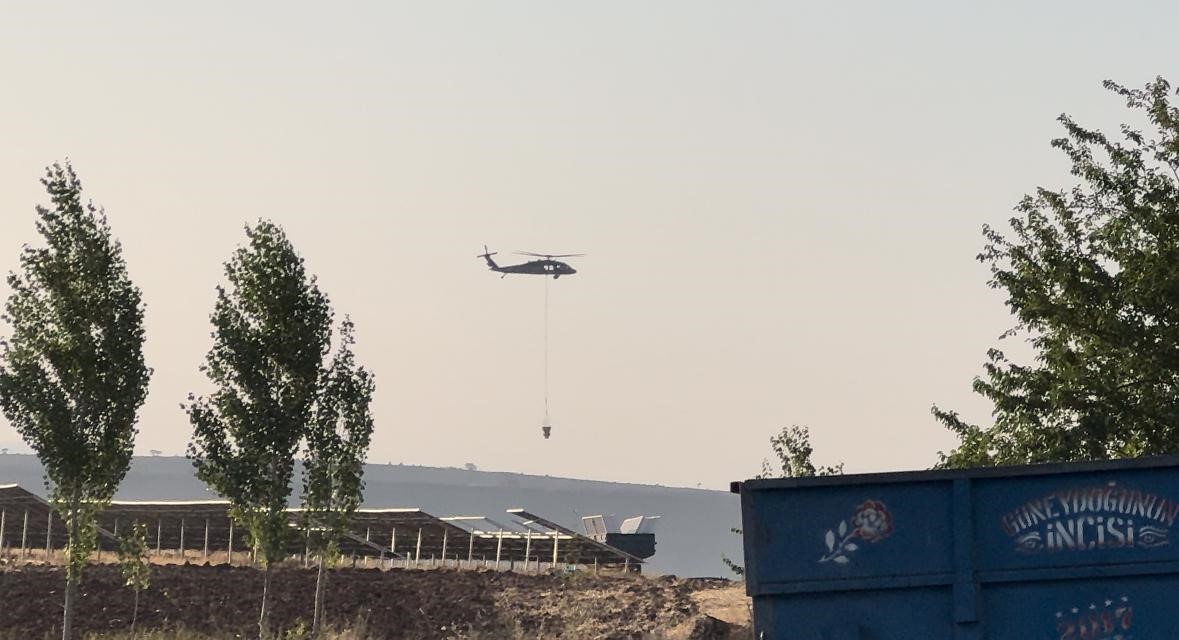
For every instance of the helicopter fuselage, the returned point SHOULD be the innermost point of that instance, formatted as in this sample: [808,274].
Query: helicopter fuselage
[554,268]
[546,266]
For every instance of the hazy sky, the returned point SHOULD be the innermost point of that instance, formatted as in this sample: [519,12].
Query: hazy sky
[781,202]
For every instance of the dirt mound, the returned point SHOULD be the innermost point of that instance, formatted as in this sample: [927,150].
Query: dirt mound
[400,604]
[708,628]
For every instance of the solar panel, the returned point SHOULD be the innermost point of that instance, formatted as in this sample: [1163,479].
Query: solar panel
[639,524]
[204,527]
[648,524]
[595,526]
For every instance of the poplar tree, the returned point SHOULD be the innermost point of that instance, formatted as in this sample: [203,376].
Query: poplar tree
[72,373]
[271,333]
[134,564]
[337,444]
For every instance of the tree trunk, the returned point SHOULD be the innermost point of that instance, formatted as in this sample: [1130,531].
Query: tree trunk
[262,622]
[134,613]
[317,617]
[67,621]
[71,591]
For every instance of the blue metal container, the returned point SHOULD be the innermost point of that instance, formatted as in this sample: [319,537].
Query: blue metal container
[1078,551]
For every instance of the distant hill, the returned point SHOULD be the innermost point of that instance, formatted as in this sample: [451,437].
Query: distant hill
[692,536]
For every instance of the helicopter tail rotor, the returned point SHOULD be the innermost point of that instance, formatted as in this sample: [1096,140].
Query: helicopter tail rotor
[486,255]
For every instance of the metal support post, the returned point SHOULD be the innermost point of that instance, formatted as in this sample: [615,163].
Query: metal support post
[229,556]
[556,543]
[159,535]
[470,548]
[499,545]
[48,538]
[24,534]
[182,540]
[527,549]
[417,556]
[444,535]
[205,553]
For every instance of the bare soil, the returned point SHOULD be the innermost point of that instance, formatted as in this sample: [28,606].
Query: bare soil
[223,601]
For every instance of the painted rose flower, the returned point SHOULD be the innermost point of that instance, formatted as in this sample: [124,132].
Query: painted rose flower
[872,521]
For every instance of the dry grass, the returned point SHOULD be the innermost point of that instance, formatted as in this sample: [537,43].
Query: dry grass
[729,604]
[360,633]
[180,634]
[16,558]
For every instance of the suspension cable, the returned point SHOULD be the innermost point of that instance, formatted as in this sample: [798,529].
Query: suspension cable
[546,350]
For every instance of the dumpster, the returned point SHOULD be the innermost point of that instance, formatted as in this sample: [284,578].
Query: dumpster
[1079,551]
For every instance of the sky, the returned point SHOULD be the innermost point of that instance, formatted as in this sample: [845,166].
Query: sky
[781,203]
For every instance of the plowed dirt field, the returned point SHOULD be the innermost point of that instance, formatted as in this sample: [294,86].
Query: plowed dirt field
[222,601]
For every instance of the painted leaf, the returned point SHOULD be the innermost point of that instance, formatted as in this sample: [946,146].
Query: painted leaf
[843,528]
[851,546]
[841,559]
[830,540]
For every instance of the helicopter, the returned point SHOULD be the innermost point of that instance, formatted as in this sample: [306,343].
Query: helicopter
[546,266]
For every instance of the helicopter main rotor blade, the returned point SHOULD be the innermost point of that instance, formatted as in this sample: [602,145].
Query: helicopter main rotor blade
[550,255]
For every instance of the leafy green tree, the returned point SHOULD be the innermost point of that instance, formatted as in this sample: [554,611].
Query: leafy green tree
[793,450]
[272,331]
[1091,274]
[72,374]
[337,444]
[134,564]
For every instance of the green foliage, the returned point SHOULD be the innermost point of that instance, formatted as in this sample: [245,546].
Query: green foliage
[272,331]
[298,632]
[792,447]
[72,374]
[337,444]
[1091,274]
[738,570]
[793,450]
[133,558]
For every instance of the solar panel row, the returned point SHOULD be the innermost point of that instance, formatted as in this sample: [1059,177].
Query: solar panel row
[409,536]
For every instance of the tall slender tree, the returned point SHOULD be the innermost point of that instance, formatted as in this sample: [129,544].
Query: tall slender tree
[134,564]
[337,444]
[272,331]
[72,374]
